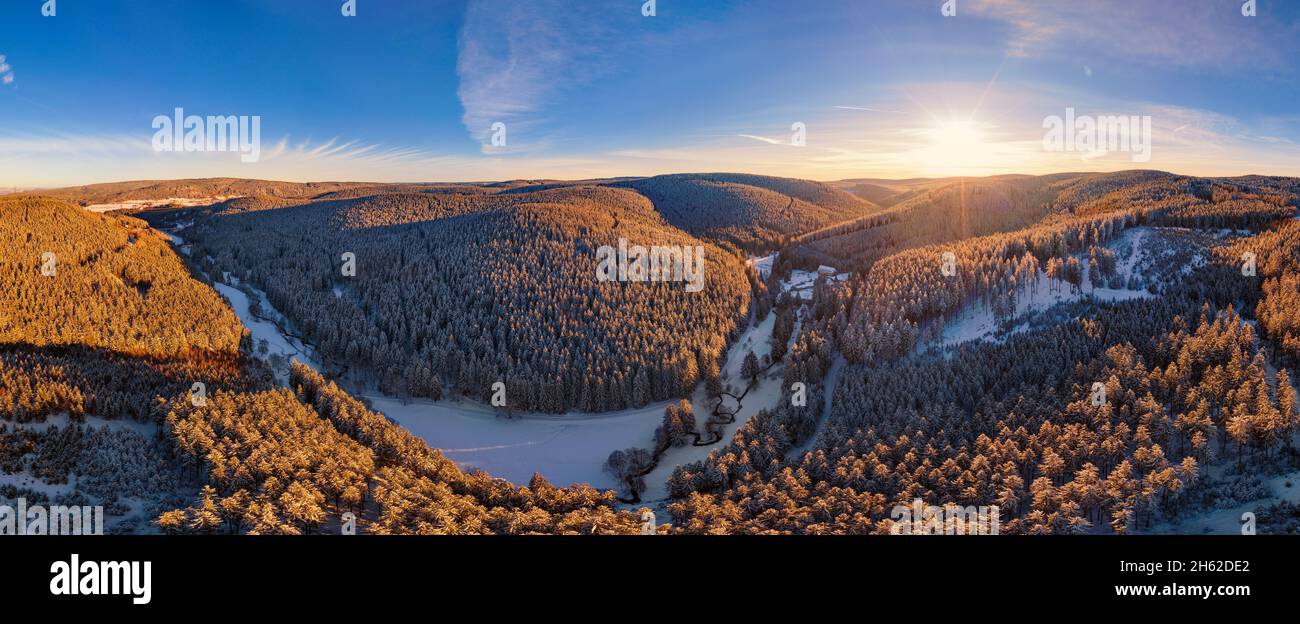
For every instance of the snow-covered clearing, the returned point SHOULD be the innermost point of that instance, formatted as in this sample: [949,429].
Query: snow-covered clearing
[62,419]
[24,479]
[1227,521]
[762,265]
[977,321]
[183,202]
[566,449]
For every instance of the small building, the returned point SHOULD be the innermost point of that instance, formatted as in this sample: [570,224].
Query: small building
[826,271]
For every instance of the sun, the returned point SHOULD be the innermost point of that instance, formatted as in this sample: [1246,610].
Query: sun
[955,147]
[960,140]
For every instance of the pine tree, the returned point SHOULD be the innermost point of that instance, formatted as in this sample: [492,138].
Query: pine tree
[750,367]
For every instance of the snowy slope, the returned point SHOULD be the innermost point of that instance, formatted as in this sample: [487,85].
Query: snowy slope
[977,322]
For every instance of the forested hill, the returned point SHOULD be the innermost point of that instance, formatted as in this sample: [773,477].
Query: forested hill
[199,188]
[925,212]
[751,211]
[454,292]
[66,271]
[126,382]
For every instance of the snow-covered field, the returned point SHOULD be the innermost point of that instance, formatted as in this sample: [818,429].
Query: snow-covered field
[135,204]
[566,449]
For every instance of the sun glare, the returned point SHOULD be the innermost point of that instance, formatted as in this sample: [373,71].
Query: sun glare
[952,147]
[960,138]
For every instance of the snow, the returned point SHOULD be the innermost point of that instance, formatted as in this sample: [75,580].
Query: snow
[261,329]
[756,339]
[566,449]
[763,395]
[177,241]
[977,322]
[24,479]
[763,265]
[62,419]
[154,203]
[1227,521]
[801,282]
[832,378]
[572,447]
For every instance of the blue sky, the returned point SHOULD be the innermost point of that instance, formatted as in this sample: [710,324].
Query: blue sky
[408,90]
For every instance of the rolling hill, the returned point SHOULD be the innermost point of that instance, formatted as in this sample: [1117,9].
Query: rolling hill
[454,292]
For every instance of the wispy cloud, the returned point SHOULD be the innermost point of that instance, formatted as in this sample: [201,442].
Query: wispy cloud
[870,110]
[762,138]
[53,160]
[1184,34]
[514,57]
[16,145]
[6,72]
